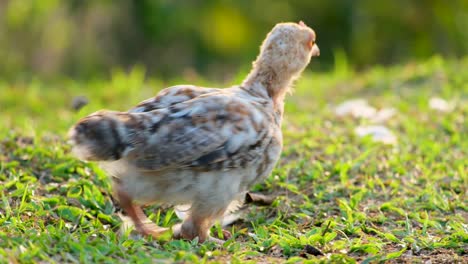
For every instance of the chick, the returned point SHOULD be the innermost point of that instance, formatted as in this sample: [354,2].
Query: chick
[198,146]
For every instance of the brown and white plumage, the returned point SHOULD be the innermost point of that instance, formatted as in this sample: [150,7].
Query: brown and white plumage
[201,146]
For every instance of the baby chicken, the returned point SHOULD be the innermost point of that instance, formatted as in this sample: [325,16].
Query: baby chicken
[198,146]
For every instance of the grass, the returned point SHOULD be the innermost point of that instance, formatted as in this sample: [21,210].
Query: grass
[353,199]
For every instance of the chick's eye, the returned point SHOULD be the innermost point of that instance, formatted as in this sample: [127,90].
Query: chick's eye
[310,44]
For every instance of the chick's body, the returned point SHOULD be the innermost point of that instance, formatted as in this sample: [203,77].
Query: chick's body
[194,144]
[201,146]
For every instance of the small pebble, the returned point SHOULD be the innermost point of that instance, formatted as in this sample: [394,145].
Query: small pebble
[79,102]
[311,250]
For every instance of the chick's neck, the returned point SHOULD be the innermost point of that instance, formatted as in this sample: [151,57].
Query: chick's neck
[264,81]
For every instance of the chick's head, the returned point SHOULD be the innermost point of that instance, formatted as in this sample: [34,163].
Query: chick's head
[288,48]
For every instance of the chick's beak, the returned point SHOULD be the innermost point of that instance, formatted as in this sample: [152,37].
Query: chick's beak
[315,51]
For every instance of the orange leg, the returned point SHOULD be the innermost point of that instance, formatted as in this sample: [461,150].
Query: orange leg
[143,224]
[198,225]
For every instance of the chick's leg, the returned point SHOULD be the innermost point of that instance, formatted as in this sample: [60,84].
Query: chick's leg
[199,222]
[143,224]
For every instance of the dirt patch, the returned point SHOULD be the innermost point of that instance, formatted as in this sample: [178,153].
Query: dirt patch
[441,255]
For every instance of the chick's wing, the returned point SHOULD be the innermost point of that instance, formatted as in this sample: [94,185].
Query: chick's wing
[201,132]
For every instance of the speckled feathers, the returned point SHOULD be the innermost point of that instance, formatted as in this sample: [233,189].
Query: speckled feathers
[201,146]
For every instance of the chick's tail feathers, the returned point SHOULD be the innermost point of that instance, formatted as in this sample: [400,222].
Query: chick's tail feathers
[102,136]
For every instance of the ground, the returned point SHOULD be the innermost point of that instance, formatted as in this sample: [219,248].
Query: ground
[342,198]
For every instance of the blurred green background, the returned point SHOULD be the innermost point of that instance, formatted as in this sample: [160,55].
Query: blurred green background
[217,39]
